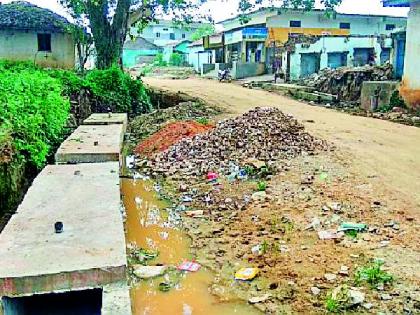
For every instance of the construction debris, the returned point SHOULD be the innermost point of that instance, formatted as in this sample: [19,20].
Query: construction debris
[265,134]
[346,82]
[145,125]
[169,135]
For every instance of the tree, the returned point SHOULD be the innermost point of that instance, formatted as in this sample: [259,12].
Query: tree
[109,20]
[205,30]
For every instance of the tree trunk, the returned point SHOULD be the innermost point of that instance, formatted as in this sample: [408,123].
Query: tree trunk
[109,34]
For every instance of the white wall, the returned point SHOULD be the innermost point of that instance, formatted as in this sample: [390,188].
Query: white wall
[197,57]
[412,50]
[330,45]
[359,25]
[22,45]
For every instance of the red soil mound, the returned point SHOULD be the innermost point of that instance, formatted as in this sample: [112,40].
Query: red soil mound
[169,135]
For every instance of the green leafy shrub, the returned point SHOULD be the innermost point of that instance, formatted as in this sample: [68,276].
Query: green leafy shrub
[159,60]
[176,59]
[118,90]
[33,112]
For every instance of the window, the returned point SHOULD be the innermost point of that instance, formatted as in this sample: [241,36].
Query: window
[157,35]
[172,36]
[345,26]
[44,42]
[295,23]
[183,35]
[166,29]
[390,27]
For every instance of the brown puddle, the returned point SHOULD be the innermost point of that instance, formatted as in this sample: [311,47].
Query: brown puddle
[148,226]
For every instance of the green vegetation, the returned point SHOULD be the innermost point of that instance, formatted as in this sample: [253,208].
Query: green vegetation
[351,234]
[203,121]
[33,112]
[159,61]
[373,275]
[205,30]
[332,305]
[118,90]
[176,60]
[262,186]
[34,109]
[395,101]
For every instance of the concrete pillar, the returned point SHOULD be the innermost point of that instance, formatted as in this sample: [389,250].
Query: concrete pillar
[410,88]
[323,60]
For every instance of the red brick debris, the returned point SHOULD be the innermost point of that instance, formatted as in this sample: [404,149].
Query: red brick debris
[169,135]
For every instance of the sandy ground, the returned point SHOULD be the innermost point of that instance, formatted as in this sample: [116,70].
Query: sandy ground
[384,153]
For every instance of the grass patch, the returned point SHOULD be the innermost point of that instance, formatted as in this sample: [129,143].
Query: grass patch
[373,275]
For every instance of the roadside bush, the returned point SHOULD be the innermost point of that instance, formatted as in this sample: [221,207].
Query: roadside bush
[118,90]
[176,59]
[33,112]
[159,61]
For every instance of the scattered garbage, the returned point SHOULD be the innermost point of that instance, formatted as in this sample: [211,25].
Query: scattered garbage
[330,235]
[246,274]
[259,299]
[148,272]
[195,213]
[164,287]
[190,266]
[358,227]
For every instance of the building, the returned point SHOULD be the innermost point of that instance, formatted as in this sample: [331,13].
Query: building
[410,87]
[198,56]
[163,32]
[139,51]
[28,32]
[304,42]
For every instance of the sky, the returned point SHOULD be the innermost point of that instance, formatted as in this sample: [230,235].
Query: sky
[224,9]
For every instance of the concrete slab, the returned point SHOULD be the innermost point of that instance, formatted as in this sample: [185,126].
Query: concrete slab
[107,119]
[89,253]
[92,144]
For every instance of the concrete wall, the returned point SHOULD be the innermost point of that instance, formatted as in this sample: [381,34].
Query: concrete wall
[197,57]
[242,70]
[383,90]
[327,45]
[359,25]
[22,45]
[410,88]
[134,57]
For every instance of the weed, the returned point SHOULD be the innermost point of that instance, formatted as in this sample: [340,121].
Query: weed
[262,186]
[203,121]
[373,275]
[332,305]
[265,247]
[351,234]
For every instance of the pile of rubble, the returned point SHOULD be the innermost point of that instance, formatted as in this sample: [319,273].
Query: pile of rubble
[145,125]
[346,82]
[265,134]
[169,135]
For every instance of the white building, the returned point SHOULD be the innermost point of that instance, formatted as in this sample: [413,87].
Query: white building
[163,32]
[410,88]
[305,42]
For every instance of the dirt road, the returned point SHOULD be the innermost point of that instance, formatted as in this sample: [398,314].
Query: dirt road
[387,154]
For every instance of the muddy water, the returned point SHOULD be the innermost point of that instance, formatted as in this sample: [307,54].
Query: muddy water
[149,226]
